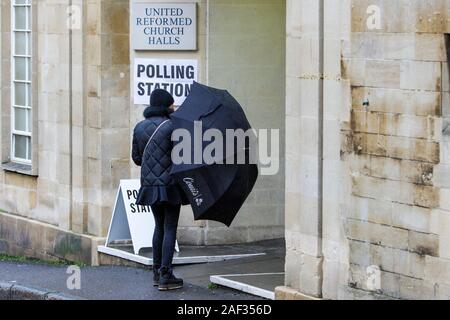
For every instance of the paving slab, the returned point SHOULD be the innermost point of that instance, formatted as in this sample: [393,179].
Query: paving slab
[260,284]
[258,275]
[265,281]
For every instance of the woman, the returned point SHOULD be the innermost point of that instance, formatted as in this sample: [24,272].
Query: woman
[152,148]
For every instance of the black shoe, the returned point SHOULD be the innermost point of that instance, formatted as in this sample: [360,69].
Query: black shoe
[168,281]
[156,276]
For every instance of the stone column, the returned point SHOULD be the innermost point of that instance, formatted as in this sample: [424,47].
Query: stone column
[108,94]
[303,151]
[78,119]
[317,181]
[52,112]
[336,176]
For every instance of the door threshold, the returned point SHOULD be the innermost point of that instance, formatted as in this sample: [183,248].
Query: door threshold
[179,259]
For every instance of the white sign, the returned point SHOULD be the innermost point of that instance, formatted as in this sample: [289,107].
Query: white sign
[164,26]
[130,221]
[175,76]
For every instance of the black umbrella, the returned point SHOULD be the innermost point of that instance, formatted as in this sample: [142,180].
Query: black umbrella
[215,190]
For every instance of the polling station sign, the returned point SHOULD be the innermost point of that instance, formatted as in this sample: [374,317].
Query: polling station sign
[164,26]
[173,75]
[130,221]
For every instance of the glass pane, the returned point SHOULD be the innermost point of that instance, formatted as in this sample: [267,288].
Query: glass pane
[20,65]
[28,95]
[28,18]
[29,69]
[20,94]
[28,49]
[20,18]
[20,40]
[20,146]
[21,1]
[28,120]
[20,119]
[29,148]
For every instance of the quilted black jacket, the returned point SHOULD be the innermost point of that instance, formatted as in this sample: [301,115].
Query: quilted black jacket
[154,157]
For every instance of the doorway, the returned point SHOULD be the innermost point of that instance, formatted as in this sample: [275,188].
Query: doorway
[247,56]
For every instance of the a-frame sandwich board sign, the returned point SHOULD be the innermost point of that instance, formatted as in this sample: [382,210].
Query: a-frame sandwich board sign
[130,221]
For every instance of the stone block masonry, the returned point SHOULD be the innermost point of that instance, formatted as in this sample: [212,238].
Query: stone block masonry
[25,237]
[393,148]
[386,193]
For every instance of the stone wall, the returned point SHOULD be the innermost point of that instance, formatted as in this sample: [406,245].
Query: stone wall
[47,198]
[385,180]
[394,146]
[24,237]
[83,117]
[82,95]
[80,134]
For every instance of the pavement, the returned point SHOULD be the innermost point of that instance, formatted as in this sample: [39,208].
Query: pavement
[127,283]
[107,283]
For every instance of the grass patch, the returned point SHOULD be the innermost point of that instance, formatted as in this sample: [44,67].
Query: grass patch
[21,259]
[212,286]
[8,258]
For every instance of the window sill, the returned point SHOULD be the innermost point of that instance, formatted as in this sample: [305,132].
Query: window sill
[18,168]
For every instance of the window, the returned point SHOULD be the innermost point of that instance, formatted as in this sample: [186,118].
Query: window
[21,81]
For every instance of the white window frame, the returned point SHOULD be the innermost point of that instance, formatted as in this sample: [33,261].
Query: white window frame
[29,63]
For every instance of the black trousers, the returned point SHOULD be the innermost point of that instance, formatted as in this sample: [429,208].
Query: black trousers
[165,235]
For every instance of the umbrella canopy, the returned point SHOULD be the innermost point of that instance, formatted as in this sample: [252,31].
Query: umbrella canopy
[215,190]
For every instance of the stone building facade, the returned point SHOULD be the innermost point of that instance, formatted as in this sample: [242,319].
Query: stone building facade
[359,88]
[59,201]
[367,92]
